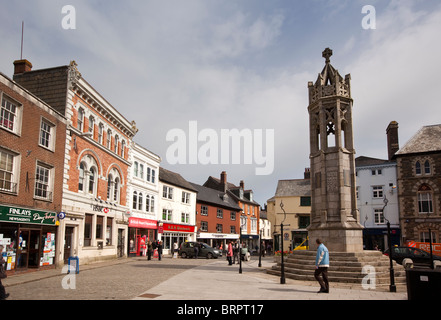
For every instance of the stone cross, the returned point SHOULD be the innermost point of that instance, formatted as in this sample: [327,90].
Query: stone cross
[327,54]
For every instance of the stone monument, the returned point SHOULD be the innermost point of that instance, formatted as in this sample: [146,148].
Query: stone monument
[334,214]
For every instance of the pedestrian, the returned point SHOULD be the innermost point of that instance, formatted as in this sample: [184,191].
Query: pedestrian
[321,267]
[235,252]
[196,250]
[230,253]
[149,250]
[159,250]
[3,294]
[175,250]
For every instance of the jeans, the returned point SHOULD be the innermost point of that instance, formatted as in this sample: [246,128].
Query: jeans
[324,284]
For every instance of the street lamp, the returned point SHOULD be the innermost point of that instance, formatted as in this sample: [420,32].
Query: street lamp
[260,247]
[240,245]
[282,266]
[392,287]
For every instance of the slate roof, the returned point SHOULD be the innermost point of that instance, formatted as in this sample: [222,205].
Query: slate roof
[427,139]
[215,197]
[175,179]
[50,85]
[363,161]
[293,187]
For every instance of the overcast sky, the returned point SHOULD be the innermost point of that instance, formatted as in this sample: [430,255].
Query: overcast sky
[241,64]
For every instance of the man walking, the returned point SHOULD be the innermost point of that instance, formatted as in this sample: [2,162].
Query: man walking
[321,267]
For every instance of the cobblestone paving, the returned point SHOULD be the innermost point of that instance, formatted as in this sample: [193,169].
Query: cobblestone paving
[120,281]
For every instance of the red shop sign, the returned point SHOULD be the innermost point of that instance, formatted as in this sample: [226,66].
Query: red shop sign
[178,228]
[142,223]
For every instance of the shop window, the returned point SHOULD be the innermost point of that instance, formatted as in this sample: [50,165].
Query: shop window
[88,230]
[109,228]
[99,227]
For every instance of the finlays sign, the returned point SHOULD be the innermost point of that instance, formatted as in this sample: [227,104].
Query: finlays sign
[21,215]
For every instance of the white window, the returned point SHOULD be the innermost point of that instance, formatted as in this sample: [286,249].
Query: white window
[141,171]
[243,224]
[135,168]
[425,203]
[378,216]
[92,181]
[47,134]
[123,145]
[135,200]
[116,144]
[253,225]
[10,115]
[167,192]
[8,178]
[377,191]
[100,133]
[185,197]
[204,211]
[232,216]
[220,213]
[113,186]
[166,215]
[80,120]
[81,177]
[185,217]
[109,138]
[91,123]
[43,177]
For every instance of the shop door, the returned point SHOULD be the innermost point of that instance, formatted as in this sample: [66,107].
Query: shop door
[68,241]
[28,251]
[120,247]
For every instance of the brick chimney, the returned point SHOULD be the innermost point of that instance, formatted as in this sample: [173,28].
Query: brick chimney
[242,184]
[21,66]
[223,179]
[392,139]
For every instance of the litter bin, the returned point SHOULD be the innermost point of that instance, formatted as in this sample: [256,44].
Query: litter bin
[423,284]
[77,264]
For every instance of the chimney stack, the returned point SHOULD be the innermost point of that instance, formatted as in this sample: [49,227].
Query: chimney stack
[392,139]
[224,180]
[242,184]
[22,66]
[307,174]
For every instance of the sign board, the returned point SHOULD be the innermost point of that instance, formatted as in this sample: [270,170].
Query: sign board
[142,223]
[21,215]
[436,247]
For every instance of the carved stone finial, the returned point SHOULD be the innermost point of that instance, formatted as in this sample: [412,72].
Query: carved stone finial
[327,54]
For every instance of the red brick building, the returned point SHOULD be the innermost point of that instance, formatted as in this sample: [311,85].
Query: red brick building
[217,216]
[32,141]
[250,214]
[95,199]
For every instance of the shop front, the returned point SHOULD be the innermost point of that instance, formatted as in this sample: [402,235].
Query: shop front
[215,240]
[28,237]
[175,233]
[140,231]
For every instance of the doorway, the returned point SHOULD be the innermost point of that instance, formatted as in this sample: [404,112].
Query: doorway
[28,250]
[68,243]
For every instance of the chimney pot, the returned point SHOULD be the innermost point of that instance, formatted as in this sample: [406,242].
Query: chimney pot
[21,66]
[392,139]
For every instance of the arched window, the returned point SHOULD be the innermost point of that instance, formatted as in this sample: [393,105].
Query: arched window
[123,145]
[427,167]
[80,120]
[92,179]
[417,167]
[425,201]
[135,200]
[116,190]
[109,186]
[81,177]
[91,123]
[140,201]
[109,138]
[152,204]
[100,133]
[116,144]
[147,203]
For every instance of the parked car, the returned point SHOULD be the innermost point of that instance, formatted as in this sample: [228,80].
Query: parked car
[419,257]
[187,250]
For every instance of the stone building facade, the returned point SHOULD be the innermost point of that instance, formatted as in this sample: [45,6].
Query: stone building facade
[419,185]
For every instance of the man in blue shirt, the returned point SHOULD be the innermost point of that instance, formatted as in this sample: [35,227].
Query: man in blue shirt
[321,266]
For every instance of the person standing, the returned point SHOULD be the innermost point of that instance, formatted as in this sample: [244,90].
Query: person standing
[230,253]
[321,267]
[159,250]
[235,252]
[149,250]
[3,294]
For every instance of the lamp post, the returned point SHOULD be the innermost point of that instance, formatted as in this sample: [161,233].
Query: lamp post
[260,248]
[392,287]
[240,246]
[282,266]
